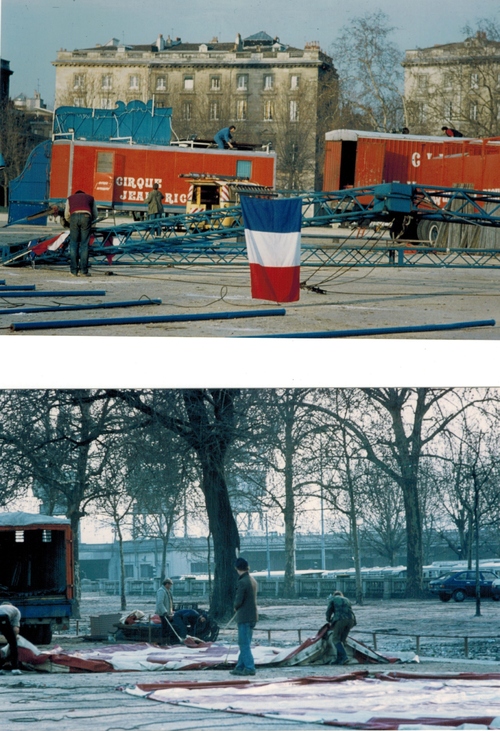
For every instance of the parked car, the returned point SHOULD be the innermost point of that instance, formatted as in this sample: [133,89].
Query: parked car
[462,584]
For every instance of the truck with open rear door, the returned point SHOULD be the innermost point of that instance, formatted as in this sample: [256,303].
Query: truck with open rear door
[36,572]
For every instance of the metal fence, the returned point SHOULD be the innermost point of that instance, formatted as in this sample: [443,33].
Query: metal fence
[373,587]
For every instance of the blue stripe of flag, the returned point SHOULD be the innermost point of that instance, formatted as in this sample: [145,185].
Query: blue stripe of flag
[276,215]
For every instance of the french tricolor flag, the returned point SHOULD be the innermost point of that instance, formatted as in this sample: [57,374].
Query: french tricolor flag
[272,234]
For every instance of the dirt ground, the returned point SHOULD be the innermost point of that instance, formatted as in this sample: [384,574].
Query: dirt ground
[352,299]
[441,628]
[73,702]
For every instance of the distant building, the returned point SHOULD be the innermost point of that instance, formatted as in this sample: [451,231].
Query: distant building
[5,74]
[40,118]
[455,85]
[270,91]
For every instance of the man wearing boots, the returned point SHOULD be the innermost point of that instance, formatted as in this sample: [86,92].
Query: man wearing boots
[342,619]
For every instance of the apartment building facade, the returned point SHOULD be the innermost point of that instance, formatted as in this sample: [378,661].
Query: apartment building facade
[455,85]
[272,92]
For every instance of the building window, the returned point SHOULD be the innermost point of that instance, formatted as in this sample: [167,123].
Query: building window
[133,82]
[215,83]
[473,112]
[242,82]
[107,81]
[447,80]
[186,111]
[474,81]
[294,111]
[268,82]
[268,111]
[189,83]
[78,101]
[214,110]
[448,110]
[422,82]
[78,81]
[241,110]
[106,103]
[420,113]
[294,82]
[161,83]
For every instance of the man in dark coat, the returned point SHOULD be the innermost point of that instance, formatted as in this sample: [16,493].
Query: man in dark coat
[342,619]
[245,606]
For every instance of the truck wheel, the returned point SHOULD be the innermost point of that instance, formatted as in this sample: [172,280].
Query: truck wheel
[459,595]
[495,597]
[445,597]
[427,231]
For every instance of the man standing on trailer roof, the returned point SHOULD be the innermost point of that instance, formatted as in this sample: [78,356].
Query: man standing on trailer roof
[224,137]
[80,211]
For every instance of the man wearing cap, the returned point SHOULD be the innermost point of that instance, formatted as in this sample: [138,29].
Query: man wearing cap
[10,620]
[245,606]
[165,607]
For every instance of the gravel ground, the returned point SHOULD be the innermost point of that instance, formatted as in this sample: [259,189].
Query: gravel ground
[352,299]
[441,628]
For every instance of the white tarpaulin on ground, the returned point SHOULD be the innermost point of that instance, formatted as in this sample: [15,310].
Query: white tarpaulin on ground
[356,700]
[193,655]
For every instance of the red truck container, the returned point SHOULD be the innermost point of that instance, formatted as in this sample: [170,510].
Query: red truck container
[36,572]
[356,158]
[120,176]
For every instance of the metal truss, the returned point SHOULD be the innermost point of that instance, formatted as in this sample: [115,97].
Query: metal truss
[217,236]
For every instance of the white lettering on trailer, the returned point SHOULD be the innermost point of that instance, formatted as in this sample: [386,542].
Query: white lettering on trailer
[415,159]
[138,196]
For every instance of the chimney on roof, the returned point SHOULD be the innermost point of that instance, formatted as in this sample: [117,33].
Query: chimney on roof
[238,44]
[160,43]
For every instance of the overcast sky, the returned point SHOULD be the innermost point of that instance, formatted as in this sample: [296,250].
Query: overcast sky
[32,31]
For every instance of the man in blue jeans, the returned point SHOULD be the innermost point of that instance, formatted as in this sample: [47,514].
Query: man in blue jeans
[80,211]
[245,605]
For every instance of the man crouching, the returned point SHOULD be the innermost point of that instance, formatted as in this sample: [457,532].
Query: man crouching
[342,619]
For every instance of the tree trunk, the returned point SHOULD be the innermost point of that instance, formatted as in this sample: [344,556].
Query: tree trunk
[289,579]
[77,587]
[123,599]
[225,538]
[414,548]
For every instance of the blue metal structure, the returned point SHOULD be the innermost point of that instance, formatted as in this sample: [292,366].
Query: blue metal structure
[206,237]
[29,192]
[141,123]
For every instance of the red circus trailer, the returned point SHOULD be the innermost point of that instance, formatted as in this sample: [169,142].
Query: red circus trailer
[120,176]
[356,158]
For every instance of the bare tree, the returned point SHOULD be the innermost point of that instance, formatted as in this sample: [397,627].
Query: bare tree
[393,426]
[369,67]
[61,441]
[205,420]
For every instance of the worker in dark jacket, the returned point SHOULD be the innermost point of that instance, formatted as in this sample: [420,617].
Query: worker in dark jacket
[224,137]
[342,619]
[80,211]
[245,606]
[450,132]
